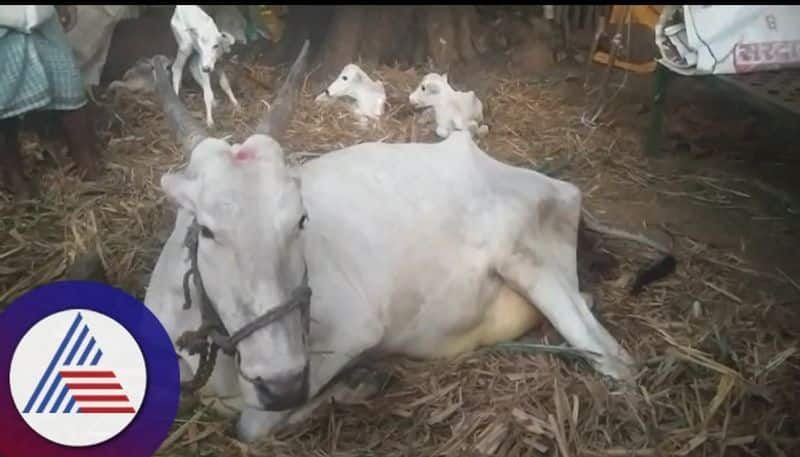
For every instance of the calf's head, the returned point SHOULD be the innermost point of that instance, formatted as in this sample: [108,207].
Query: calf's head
[249,211]
[211,45]
[348,82]
[430,90]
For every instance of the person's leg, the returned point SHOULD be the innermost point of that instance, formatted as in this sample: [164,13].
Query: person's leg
[81,140]
[11,160]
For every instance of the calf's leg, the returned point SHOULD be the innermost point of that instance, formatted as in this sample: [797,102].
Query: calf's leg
[226,87]
[204,80]
[184,51]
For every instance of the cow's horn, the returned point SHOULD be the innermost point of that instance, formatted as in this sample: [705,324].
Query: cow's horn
[276,120]
[188,130]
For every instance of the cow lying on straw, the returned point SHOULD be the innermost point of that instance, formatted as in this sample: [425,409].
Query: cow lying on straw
[427,250]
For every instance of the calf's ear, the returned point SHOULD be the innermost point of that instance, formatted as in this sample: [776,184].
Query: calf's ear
[181,189]
[228,39]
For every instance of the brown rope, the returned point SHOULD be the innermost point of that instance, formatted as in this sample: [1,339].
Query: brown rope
[212,334]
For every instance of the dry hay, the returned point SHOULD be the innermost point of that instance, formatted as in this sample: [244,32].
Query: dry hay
[719,353]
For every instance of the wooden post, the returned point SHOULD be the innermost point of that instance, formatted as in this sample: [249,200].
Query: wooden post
[654,132]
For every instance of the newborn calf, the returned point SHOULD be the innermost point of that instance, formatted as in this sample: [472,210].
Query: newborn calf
[203,79]
[353,82]
[453,110]
[199,37]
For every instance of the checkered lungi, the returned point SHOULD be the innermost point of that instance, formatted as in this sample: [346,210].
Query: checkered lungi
[38,71]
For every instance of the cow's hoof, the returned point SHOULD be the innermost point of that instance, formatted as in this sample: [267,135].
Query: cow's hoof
[619,368]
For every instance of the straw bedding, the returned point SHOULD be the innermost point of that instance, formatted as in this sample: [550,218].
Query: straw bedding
[718,350]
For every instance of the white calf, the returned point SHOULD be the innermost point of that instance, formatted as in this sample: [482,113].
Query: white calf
[204,80]
[353,82]
[197,33]
[454,110]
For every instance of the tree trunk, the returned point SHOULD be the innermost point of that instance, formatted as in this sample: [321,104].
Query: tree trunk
[395,34]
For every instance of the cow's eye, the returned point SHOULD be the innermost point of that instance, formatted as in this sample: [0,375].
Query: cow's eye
[205,232]
[216,46]
[303,220]
[344,77]
[423,88]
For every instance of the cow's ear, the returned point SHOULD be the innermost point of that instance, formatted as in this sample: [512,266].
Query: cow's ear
[181,189]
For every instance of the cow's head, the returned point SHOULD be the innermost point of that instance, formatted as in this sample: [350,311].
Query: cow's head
[350,79]
[249,209]
[430,90]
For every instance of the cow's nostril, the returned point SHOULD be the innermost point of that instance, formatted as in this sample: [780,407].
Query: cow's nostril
[286,392]
[280,386]
[327,93]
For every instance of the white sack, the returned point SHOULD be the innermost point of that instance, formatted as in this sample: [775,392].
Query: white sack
[728,39]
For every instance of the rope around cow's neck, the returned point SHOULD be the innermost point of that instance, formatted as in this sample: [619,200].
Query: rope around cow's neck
[212,334]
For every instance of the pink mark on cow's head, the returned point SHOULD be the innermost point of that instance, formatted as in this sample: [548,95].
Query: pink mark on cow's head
[243,153]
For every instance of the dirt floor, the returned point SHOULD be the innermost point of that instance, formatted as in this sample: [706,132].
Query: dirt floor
[717,341]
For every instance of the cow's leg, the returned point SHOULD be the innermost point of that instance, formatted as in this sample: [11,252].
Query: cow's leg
[226,87]
[337,349]
[546,279]
[256,424]
[346,392]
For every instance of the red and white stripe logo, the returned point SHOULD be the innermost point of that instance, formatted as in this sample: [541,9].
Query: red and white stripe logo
[97,392]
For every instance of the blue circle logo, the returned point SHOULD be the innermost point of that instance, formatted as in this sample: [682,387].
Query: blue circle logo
[91,372]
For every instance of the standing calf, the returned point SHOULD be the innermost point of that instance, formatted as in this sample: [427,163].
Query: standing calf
[197,36]
[454,110]
[353,82]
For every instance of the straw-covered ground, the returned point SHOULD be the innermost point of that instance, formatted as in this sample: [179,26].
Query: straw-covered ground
[717,341]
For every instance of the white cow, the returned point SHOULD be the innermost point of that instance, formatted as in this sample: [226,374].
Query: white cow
[427,250]
[198,36]
[453,110]
[353,82]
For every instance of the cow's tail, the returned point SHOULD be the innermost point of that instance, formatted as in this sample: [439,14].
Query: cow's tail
[661,268]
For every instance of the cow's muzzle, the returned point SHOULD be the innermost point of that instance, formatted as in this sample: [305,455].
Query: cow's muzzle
[280,394]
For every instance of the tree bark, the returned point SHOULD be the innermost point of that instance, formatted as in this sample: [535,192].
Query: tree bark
[395,34]
[341,43]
